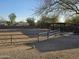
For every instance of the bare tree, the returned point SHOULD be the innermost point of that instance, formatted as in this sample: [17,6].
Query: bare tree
[59,7]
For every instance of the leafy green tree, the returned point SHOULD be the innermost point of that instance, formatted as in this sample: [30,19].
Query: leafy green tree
[8,23]
[44,21]
[73,20]
[30,21]
[12,18]
[53,19]
[3,21]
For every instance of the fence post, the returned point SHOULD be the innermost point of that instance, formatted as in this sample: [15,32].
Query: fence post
[48,34]
[38,37]
[11,39]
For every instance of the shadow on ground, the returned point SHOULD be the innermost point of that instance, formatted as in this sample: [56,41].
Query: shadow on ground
[56,44]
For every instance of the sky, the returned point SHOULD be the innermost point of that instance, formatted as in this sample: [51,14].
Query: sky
[22,8]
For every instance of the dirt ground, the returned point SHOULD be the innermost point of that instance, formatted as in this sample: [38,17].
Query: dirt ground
[59,48]
[66,47]
[25,52]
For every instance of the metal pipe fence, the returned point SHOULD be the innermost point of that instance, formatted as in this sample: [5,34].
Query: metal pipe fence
[10,39]
[48,34]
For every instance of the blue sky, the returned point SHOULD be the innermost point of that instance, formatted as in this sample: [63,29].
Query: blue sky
[22,8]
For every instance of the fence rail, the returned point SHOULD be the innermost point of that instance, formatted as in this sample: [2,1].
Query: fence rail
[48,34]
[13,39]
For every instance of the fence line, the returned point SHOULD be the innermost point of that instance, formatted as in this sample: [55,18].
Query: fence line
[48,34]
[12,40]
